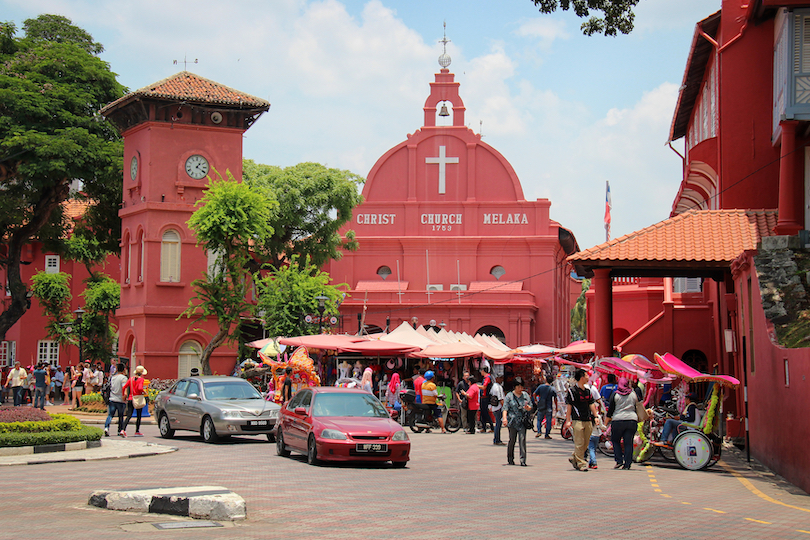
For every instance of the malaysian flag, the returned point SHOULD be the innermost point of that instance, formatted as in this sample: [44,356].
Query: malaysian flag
[608,206]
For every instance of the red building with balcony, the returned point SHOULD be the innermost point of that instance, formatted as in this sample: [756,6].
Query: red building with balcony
[740,214]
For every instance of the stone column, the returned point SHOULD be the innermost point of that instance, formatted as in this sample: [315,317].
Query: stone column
[603,312]
[790,186]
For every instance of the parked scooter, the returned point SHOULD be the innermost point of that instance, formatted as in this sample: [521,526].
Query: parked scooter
[419,416]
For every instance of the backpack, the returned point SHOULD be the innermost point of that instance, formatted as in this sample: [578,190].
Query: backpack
[105,392]
[494,401]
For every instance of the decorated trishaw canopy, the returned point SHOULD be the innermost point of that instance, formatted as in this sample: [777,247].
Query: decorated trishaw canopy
[671,364]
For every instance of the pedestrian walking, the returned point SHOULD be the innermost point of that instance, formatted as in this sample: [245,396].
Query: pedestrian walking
[473,399]
[545,399]
[78,385]
[117,403]
[461,395]
[516,406]
[41,382]
[67,385]
[486,390]
[136,400]
[17,378]
[495,408]
[579,416]
[623,421]
[598,427]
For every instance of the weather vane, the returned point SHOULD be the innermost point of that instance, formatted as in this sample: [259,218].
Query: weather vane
[444,59]
[186,62]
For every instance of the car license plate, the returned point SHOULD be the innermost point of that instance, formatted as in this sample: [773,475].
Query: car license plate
[257,422]
[372,447]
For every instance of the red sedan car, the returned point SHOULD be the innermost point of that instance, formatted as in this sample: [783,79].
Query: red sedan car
[340,424]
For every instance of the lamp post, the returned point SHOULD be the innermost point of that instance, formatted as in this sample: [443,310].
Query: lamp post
[321,307]
[79,312]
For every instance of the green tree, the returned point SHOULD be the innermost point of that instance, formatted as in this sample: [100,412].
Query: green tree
[579,319]
[314,202]
[52,85]
[289,293]
[230,220]
[101,298]
[52,291]
[617,15]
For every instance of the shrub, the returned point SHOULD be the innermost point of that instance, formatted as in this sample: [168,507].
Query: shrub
[23,414]
[84,433]
[95,397]
[60,422]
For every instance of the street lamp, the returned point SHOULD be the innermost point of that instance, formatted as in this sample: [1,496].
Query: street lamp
[321,307]
[79,312]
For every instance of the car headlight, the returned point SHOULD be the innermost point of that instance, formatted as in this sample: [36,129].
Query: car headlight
[333,434]
[274,413]
[400,436]
[230,414]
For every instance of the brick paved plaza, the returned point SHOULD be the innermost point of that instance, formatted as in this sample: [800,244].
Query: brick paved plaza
[456,486]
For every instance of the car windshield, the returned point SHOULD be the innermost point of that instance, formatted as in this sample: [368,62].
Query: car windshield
[231,390]
[348,404]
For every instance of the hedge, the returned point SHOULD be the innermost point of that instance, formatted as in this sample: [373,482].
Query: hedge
[84,433]
[60,423]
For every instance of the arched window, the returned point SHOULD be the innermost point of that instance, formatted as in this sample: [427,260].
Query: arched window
[189,357]
[497,271]
[140,248]
[126,254]
[383,272]
[170,256]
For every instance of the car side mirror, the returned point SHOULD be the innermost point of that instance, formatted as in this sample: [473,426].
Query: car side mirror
[193,396]
[300,410]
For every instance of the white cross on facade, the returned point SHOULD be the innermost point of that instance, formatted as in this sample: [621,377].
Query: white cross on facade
[442,160]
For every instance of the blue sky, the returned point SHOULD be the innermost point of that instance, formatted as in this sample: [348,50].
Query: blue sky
[347,81]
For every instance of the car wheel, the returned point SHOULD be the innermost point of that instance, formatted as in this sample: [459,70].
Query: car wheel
[271,437]
[399,464]
[166,430]
[312,451]
[208,431]
[281,449]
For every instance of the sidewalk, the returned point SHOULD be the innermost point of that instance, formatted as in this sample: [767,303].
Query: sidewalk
[111,448]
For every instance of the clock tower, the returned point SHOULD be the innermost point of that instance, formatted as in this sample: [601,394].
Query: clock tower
[177,132]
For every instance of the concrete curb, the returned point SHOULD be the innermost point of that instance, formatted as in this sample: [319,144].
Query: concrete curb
[47,448]
[109,449]
[202,502]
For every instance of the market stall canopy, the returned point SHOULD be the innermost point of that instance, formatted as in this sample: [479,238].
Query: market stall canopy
[491,341]
[405,333]
[535,350]
[448,350]
[570,362]
[578,347]
[327,342]
[379,348]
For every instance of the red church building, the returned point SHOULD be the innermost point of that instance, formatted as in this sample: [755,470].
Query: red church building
[447,238]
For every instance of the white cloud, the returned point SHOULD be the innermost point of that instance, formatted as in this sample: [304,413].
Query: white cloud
[546,30]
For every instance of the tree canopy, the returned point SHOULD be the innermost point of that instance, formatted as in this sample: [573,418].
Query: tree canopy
[314,202]
[231,219]
[52,86]
[290,293]
[617,15]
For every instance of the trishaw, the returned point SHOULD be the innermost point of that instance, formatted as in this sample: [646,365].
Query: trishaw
[696,446]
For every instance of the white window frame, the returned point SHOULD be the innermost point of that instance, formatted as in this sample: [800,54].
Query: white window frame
[170,256]
[52,264]
[8,353]
[48,352]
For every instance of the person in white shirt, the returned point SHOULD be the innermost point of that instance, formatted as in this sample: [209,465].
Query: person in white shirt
[495,405]
[16,379]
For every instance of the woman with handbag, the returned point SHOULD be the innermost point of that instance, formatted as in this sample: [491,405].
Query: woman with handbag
[516,408]
[136,401]
[623,419]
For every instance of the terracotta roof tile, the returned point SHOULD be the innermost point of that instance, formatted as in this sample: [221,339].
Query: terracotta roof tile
[74,209]
[186,86]
[381,286]
[697,235]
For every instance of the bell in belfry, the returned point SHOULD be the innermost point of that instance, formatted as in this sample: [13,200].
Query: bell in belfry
[443,111]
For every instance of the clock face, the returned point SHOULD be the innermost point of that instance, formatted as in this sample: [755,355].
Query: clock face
[197,166]
[133,167]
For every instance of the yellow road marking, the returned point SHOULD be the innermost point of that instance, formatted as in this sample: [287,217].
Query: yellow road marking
[651,475]
[716,511]
[801,531]
[758,521]
[655,485]
[667,496]
[657,490]
[744,481]
[685,502]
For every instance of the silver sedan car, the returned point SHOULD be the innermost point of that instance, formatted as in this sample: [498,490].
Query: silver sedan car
[215,406]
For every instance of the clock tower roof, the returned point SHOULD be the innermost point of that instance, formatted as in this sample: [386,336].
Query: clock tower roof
[191,88]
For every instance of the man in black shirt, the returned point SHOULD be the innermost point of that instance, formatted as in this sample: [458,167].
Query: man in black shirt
[286,390]
[545,398]
[461,396]
[580,413]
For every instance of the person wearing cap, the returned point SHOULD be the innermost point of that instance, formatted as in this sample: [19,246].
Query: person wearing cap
[136,400]
[688,416]
[429,395]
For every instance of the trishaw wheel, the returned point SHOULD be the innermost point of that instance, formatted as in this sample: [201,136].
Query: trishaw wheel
[693,450]
[667,452]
